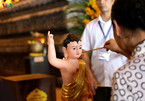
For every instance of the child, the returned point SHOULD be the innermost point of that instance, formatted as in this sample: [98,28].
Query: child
[73,70]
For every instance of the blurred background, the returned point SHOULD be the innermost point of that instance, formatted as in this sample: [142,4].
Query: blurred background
[23,39]
[23,31]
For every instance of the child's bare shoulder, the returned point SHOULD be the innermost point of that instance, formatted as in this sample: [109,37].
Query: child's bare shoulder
[66,64]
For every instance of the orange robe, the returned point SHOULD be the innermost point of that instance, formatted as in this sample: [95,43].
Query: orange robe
[79,87]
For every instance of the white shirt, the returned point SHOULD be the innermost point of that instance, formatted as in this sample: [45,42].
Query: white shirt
[93,38]
[129,80]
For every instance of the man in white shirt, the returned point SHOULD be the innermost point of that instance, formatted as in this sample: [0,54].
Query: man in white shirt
[129,33]
[104,63]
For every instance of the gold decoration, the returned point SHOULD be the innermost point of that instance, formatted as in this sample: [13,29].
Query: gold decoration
[36,44]
[79,87]
[37,95]
[35,54]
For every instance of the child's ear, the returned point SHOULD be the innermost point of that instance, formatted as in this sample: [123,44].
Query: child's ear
[65,52]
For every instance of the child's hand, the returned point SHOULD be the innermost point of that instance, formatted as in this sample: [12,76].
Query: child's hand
[50,38]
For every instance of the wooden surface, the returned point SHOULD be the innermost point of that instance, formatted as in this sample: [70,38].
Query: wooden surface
[30,15]
[22,85]
[27,77]
[58,94]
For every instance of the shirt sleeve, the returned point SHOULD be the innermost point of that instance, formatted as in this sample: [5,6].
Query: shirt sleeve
[86,39]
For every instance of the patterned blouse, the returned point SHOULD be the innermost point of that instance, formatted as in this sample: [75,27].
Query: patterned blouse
[129,80]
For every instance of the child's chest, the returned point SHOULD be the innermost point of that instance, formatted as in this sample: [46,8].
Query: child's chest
[73,71]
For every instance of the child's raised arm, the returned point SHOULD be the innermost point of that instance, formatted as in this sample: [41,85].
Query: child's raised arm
[58,63]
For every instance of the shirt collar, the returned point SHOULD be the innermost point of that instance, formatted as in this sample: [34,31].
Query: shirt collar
[140,49]
[101,20]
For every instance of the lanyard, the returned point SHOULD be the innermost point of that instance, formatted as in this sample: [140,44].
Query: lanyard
[103,31]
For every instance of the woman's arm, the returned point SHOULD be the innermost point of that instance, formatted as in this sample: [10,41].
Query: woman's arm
[113,46]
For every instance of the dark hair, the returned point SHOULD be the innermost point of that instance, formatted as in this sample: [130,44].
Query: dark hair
[70,38]
[129,13]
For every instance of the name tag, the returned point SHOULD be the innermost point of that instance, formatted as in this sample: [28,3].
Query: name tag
[104,55]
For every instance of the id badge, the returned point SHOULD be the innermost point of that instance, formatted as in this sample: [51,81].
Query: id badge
[104,55]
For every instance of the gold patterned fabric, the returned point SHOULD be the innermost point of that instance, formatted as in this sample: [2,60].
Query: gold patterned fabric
[79,87]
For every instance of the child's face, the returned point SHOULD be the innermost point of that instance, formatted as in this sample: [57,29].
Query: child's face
[74,49]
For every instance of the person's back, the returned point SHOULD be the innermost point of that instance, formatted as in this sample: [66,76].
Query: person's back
[129,84]
[129,32]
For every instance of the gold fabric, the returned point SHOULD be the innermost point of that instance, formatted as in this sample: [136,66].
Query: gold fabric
[79,87]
